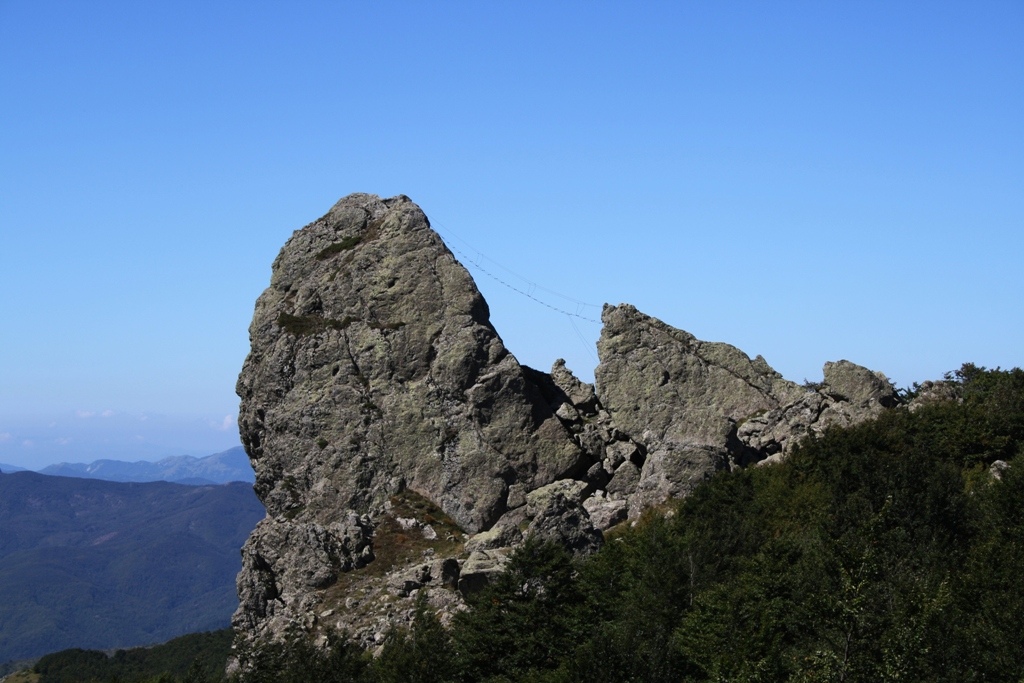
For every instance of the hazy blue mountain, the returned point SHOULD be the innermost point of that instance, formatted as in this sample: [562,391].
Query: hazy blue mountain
[4,467]
[219,468]
[97,564]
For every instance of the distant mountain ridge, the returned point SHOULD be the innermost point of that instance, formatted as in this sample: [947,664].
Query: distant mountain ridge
[7,469]
[219,468]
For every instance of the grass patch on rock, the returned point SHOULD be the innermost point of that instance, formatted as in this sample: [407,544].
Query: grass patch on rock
[339,247]
[305,325]
[396,545]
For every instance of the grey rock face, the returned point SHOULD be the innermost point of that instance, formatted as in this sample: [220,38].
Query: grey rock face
[680,398]
[858,386]
[374,369]
[284,562]
[933,392]
[399,447]
[699,407]
[557,514]
[605,512]
[480,568]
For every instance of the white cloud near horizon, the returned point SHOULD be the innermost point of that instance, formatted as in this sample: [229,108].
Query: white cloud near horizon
[227,424]
[85,414]
[85,435]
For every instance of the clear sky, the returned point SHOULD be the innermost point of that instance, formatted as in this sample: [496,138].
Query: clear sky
[808,181]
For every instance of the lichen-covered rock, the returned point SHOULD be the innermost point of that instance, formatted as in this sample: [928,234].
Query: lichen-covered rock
[374,369]
[480,569]
[698,407]
[858,385]
[402,451]
[557,514]
[605,512]
[284,562]
[504,534]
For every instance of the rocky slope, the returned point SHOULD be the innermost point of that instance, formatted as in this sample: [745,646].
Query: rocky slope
[399,447]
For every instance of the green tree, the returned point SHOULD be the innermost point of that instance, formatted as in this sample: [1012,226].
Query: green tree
[522,621]
[298,660]
[423,654]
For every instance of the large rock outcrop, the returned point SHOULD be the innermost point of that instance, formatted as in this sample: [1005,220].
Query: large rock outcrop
[374,370]
[697,407]
[399,447]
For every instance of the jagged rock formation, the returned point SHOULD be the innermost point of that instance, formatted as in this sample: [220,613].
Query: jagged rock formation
[698,407]
[399,447]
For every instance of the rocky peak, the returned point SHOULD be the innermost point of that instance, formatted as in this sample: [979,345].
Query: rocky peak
[398,446]
[374,368]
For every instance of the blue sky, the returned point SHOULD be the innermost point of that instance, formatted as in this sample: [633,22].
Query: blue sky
[808,181]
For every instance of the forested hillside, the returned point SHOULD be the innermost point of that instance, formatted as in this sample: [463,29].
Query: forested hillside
[98,564]
[194,658]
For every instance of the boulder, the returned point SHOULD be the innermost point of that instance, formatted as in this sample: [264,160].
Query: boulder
[605,512]
[557,514]
[479,569]
[858,385]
